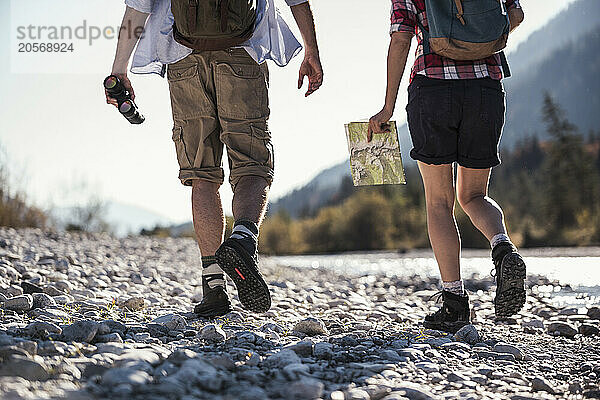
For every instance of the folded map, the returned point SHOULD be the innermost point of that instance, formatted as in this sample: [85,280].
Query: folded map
[377,162]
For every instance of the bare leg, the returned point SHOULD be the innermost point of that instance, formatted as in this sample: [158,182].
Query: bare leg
[207,211]
[485,213]
[250,198]
[438,181]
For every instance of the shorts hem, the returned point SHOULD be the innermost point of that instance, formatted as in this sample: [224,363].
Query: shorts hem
[478,164]
[433,160]
[214,175]
[237,174]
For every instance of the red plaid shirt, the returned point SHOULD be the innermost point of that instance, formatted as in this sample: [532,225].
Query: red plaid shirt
[404,19]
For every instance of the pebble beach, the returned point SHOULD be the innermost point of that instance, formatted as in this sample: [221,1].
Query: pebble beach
[91,316]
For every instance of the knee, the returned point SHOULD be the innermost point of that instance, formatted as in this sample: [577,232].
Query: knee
[465,199]
[441,204]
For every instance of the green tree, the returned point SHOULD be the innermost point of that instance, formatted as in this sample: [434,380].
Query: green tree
[571,189]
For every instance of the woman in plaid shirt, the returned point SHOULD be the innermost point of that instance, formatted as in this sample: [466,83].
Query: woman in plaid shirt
[455,114]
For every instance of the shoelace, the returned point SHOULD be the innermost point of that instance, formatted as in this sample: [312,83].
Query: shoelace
[438,295]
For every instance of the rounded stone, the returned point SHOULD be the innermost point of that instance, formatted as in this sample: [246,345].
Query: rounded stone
[311,327]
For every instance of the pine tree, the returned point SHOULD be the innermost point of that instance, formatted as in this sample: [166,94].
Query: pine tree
[571,182]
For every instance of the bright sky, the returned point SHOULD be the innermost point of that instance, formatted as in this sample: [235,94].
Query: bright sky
[58,132]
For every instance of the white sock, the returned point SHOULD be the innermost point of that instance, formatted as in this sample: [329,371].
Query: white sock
[499,238]
[455,287]
[214,269]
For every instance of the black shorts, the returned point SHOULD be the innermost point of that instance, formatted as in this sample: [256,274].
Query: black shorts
[456,120]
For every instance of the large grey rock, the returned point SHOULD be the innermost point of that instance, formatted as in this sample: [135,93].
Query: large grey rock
[413,354]
[27,368]
[113,337]
[295,371]
[281,359]
[19,303]
[428,367]
[138,357]
[539,384]
[412,392]
[129,376]
[41,329]
[80,331]
[112,348]
[323,350]
[212,333]
[305,389]
[171,321]
[115,326]
[589,330]
[311,327]
[594,312]
[390,355]
[53,291]
[468,334]
[559,328]
[303,348]
[533,325]
[508,349]
[42,300]
[30,288]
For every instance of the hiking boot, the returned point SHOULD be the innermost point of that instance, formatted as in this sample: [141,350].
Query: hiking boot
[453,315]
[215,302]
[238,257]
[510,273]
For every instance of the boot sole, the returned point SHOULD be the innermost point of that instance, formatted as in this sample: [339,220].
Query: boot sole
[510,299]
[252,289]
[213,312]
[450,327]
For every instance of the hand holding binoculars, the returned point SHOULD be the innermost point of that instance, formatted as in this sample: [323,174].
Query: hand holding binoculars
[115,89]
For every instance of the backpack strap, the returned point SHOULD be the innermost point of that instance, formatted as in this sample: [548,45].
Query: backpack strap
[460,12]
[505,67]
[224,11]
[425,33]
[192,15]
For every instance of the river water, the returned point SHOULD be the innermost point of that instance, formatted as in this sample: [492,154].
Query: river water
[576,269]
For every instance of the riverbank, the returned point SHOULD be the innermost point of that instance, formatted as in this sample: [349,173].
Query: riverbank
[92,316]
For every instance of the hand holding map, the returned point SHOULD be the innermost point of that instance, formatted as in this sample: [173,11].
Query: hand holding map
[377,162]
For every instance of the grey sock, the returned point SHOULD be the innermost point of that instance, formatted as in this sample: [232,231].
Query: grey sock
[454,287]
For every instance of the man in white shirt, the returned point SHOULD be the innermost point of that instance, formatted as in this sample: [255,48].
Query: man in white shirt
[220,98]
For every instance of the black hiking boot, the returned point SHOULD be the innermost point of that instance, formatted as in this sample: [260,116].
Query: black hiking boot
[239,259]
[453,315]
[510,273]
[215,302]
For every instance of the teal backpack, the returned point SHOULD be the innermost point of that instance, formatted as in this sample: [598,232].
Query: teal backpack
[466,29]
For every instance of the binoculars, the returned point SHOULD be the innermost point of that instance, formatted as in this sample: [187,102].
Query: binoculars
[115,89]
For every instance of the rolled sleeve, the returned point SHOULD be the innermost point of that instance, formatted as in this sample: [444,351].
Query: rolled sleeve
[404,16]
[510,4]
[295,2]
[144,6]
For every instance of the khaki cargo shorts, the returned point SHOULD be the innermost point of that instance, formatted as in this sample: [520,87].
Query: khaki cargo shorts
[221,98]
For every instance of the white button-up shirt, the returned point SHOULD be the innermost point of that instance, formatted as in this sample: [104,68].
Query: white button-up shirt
[272,38]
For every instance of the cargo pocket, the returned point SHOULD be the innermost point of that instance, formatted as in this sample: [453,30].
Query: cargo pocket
[261,147]
[180,148]
[241,91]
[188,93]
